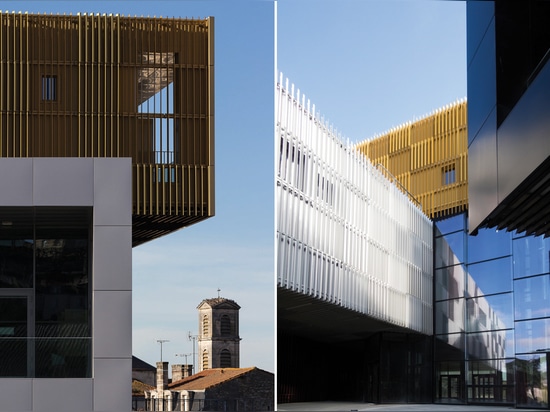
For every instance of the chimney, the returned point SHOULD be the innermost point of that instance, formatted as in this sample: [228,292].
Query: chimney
[177,372]
[162,375]
[181,371]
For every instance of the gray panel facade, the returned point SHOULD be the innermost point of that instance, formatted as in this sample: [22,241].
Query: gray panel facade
[105,186]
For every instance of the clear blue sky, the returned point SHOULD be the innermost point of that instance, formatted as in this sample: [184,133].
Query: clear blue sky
[369,65]
[232,251]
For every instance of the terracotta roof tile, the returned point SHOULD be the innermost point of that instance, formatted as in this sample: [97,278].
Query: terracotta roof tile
[208,378]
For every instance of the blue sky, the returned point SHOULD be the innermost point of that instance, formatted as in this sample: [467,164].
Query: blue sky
[370,65]
[232,251]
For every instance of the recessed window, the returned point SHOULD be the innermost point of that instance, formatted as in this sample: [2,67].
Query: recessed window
[449,175]
[49,88]
[225,325]
[225,359]
[204,359]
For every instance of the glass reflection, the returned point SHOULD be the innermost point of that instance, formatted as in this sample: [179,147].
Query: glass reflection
[16,247]
[449,250]
[449,382]
[13,331]
[489,277]
[489,345]
[532,381]
[63,358]
[449,282]
[450,347]
[533,336]
[532,297]
[491,380]
[531,256]
[450,224]
[489,244]
[449,316]
[62,287]
[489,312]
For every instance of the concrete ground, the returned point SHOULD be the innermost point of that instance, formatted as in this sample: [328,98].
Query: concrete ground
[354,406]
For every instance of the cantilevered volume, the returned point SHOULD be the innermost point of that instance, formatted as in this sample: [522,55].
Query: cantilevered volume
[93,85]
[346,235]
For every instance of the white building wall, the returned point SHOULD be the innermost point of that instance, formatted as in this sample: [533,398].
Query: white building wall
[345,234]
[104,184]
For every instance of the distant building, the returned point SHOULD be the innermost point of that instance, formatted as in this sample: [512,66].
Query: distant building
[220,385]
[219,389]
[219,341]
[143,371]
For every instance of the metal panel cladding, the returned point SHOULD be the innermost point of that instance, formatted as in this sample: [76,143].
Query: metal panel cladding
[429,157]
[91,85]
[345,234]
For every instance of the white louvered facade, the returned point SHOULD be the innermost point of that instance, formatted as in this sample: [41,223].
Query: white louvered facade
[345,234]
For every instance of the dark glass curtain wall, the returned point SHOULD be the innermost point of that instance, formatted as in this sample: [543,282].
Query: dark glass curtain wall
[45,294]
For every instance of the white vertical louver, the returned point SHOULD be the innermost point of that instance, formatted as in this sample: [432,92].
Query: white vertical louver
[345,234]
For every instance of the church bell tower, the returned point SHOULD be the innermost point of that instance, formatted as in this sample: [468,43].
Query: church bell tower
[218,339]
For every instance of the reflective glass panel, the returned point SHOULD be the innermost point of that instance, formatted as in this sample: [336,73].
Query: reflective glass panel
[489,244]
[532,297]
[450,346]
[63,358]
[16,247]
[449,282]
[489,345]
[532,381]
[451,224]
[62,292]
[449,382]
[491,381]
[449,250]
[490,312]
[449,316]
[13,332]
[531,256]
[489,277]
[533,336]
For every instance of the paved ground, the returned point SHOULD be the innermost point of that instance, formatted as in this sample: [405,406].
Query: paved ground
[354,406]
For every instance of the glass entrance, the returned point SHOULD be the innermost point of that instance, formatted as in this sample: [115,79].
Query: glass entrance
[449,386]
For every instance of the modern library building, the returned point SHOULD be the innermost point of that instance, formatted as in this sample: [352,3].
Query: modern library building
[106,142]
[414,266]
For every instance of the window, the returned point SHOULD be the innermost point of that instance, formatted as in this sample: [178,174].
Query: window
[157,101]
[205,325]
[225,359]
[49,88]
[45,313]
[204,360]
[449,175]
[225,325]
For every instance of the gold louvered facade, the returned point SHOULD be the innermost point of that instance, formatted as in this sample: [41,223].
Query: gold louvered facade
[91,85]
[429,158]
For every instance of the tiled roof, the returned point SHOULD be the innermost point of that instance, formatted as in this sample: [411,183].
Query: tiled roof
[208,378]
[139,387]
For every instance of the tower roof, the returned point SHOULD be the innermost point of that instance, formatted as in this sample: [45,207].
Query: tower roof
[219,303]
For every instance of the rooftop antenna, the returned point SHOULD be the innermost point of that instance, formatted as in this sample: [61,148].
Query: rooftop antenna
[219,292]
[161,341]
